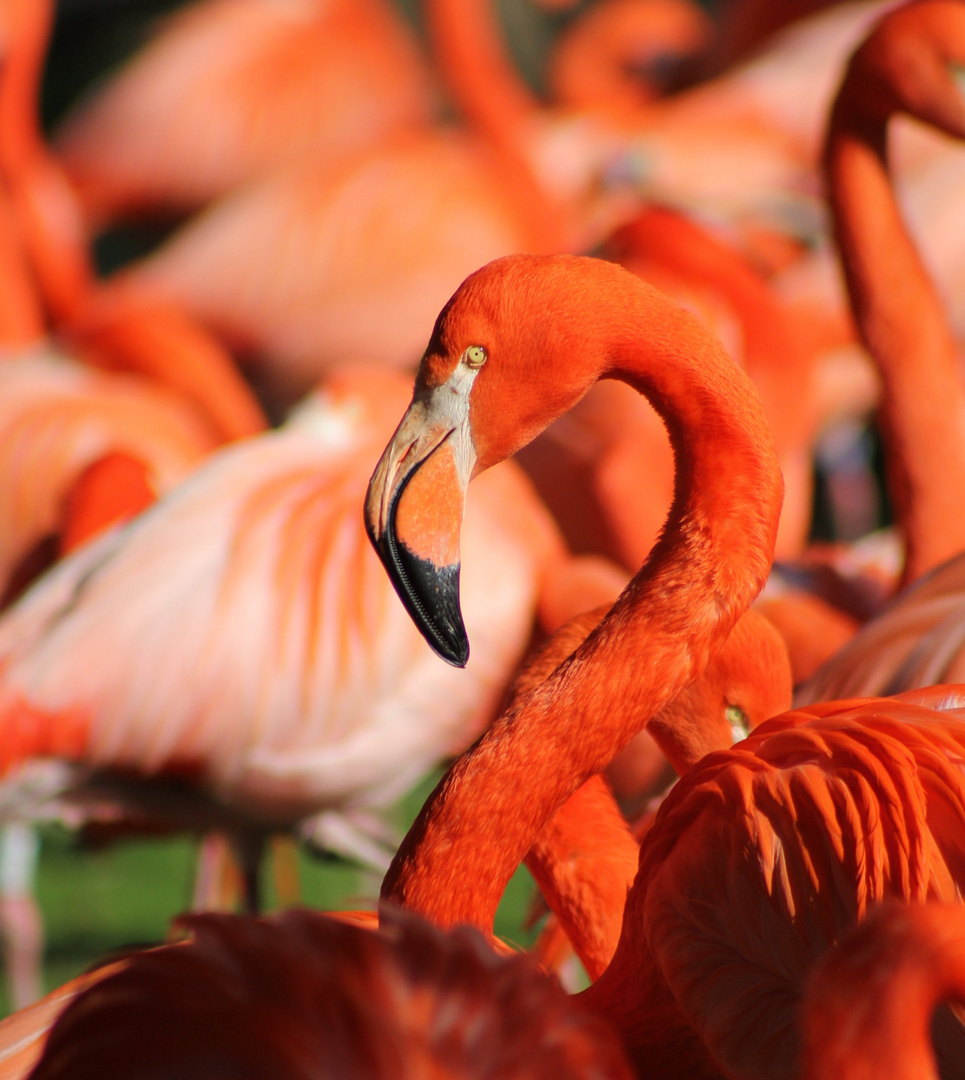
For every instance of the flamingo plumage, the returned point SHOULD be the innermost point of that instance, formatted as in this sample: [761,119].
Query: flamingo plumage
[303,995]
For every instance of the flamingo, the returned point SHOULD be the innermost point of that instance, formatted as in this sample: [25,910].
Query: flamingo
[305,723]
[761,855]
[280,82]
[910,340]
[869,1003]
[917,639]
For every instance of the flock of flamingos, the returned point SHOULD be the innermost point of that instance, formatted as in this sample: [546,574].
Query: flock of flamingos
[217,617]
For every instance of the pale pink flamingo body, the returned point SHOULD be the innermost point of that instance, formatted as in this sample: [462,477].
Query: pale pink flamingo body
[264,655]
[228,90]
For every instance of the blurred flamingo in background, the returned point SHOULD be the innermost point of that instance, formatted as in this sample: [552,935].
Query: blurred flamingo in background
[300,268]
[918,639]
[280,82]
[897,309]
[330,717]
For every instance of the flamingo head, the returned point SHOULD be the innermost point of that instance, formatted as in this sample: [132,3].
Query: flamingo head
[912,62]
[502,362]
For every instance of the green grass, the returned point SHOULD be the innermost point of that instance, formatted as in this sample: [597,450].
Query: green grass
[95,903]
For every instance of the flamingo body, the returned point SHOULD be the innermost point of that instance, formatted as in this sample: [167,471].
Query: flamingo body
[263,654]
[280,82]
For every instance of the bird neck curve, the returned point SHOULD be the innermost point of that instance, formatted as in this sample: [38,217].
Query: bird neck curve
[897,308]
[704,571]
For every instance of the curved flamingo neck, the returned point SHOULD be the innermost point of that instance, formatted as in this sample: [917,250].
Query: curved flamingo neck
[710,562]
[26,29]
[48,217]
[479,75]
[905,328]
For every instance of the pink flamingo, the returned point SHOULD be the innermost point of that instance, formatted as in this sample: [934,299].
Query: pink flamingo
[306,723]
[280,82]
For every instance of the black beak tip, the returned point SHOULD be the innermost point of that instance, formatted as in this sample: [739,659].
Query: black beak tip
[456,651]
[429,593]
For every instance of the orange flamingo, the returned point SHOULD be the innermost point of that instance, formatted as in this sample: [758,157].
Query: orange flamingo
[808,821]
[896,306]
[870,1004]
[280,82]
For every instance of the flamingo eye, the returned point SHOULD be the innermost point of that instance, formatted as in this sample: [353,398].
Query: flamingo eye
[737,719]
[474,356]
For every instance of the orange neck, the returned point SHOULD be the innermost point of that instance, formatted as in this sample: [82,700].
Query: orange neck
[904,326]
[489,93]
[711,561]
[478,73]
[48,216]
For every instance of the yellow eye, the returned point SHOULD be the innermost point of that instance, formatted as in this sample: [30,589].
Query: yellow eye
[474,356]
[739,725]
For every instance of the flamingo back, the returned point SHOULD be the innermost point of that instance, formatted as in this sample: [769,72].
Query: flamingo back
[762,856]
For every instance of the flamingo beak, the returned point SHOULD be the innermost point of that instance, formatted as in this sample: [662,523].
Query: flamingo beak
[413,515]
